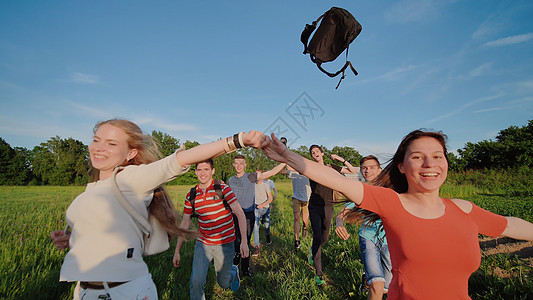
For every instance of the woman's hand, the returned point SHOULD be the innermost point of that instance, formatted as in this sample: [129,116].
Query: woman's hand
[276,150]
[342,232]
[255,139]
[60,239]
[176,259]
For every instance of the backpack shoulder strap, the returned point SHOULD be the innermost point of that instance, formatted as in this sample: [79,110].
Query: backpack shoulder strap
[192,198]
[309,28]
[218,190]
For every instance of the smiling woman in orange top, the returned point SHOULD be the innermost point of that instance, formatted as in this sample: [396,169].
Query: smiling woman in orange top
[433,241]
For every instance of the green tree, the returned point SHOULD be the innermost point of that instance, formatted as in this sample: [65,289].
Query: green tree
[167,144]
[188,178]
[513,147]
[455,163]
[348,153]
[61,162]
[14,166]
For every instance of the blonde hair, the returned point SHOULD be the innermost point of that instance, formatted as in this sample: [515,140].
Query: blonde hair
[161,206]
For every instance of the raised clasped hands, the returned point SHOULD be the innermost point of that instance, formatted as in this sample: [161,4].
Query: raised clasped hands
[276,150]
[255,139]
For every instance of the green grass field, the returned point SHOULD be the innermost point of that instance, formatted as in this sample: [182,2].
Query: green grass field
[29,263]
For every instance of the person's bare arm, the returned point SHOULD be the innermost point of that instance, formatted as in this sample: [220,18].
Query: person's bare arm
[202,152]
[185,224]
[518,229]
[241,218]
[340,230]
[349,168]
[270,173]
[322,174]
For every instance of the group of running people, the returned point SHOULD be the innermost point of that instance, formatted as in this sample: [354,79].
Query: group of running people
[422,229]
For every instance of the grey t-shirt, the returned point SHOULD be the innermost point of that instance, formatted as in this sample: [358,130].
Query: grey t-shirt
[244,189]
[300,186]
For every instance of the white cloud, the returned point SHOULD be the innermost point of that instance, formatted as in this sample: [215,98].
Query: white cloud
[101,114]
[392,74]
[481,70]
[84,78]
[491,109]
[511,40]
[465,106]
[526,84]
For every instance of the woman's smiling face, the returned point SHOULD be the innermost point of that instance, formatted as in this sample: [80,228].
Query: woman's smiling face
[109,149]
[424,165]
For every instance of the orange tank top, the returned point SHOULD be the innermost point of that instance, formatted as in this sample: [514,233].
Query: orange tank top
[431,258]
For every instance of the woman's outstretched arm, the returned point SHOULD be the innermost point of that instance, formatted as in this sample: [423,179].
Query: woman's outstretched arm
[203,152]
[322,174]
[518,229]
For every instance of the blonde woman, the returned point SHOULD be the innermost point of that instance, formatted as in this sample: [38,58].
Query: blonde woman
[105,254]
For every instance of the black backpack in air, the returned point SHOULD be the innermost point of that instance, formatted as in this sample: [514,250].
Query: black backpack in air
[335,33]
[218,190]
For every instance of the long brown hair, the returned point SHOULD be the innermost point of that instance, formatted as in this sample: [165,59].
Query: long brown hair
[161,206]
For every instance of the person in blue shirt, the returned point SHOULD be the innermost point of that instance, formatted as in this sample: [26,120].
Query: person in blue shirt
[372,239]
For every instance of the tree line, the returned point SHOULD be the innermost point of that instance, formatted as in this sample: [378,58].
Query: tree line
[61,161]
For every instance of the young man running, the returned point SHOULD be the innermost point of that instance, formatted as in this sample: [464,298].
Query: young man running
[243,185]
[321,210]
[372,239]
[263,198]
[217,232]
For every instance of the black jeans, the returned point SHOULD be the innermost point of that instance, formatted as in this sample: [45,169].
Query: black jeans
[250,221]
[320,217]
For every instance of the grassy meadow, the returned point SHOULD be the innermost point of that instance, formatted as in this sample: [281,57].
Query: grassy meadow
[29,263]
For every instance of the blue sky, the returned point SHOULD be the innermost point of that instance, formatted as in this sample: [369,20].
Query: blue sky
[201,70]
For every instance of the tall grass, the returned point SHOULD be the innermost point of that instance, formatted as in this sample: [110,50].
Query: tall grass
[29,264]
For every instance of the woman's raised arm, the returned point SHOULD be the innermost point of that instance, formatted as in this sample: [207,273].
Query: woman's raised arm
[203,152]
[322,174]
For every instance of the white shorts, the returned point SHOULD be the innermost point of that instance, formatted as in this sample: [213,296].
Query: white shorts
[140,288]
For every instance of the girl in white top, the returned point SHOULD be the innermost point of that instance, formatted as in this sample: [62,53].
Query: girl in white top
[105,243]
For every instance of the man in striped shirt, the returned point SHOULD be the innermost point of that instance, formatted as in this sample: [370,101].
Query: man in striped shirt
[217,232]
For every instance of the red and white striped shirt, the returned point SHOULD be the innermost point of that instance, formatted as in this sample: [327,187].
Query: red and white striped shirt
[214,219]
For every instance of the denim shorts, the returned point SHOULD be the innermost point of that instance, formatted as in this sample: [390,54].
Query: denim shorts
[376,261]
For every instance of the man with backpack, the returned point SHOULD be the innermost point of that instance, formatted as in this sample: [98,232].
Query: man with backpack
[213,203]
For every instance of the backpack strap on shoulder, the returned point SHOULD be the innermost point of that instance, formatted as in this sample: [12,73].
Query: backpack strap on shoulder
[220,193]
[192,199]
